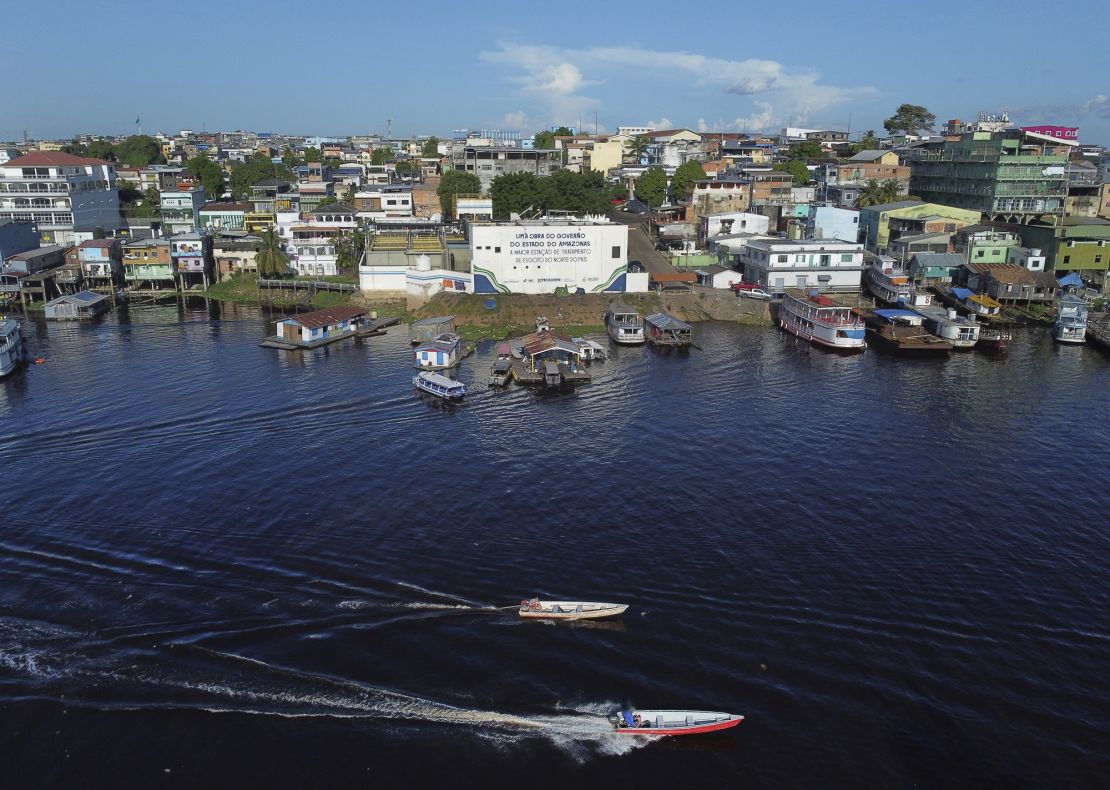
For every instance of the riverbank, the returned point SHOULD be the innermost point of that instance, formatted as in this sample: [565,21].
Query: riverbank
[511,314]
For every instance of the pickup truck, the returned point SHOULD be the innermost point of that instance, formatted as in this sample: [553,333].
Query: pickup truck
[738,287]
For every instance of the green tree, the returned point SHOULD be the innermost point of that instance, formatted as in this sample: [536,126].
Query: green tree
[313,155]
[257,169]
[805,150]
[430,149]
[579,193]
[103,149]
[75,148]
[651,187]
[456,182]
[909,118]
[381,156]
[290,159]
[544,140]
[563,131]
[271,258]
[892,191]
[209,174]
[796,168]
[405,166]
[348,250]
[515,192]
[684,179]
[139,150]
[349,194]
[129,193]
[870,195]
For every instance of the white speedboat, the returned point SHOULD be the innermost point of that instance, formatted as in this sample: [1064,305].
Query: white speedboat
[534,608]
[624,325]
[439,385]
[672,722]
[11,345]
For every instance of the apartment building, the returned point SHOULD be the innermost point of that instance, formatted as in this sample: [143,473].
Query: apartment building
[69,197]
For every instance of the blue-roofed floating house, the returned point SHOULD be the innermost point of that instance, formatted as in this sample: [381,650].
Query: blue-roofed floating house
[443,352]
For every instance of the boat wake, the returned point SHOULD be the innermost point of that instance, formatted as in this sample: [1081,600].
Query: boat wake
[188,676]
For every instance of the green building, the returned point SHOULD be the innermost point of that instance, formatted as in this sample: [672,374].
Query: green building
[1076,244]
[985,243]
[1009,176]
[876,222]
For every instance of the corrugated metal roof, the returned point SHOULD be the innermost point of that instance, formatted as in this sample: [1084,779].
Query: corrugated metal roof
[666,321]
[329,315]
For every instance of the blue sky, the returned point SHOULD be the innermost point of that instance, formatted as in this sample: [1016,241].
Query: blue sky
[345,67]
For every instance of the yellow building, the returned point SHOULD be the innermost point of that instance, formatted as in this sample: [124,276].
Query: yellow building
[605,155]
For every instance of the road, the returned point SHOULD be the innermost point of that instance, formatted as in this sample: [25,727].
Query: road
[640,246]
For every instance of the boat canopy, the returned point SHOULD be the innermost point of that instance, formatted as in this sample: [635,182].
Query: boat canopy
[893,314]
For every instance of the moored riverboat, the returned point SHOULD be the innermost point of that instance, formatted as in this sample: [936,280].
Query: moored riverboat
[993,340]
[822,322]
[11,345]
[1071,320]
[672,722]
[902,332]
[961,331]
[439,385]
[887,282]
[624,325]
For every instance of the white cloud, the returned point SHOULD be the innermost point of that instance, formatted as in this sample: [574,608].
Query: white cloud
[662,123]
[763,120]
[517,119]
[557,78]
[1099,105]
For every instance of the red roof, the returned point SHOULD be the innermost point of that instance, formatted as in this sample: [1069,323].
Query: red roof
[52,159]
[318,319]
[97,243]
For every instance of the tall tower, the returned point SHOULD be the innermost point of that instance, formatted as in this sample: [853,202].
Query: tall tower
[388,128]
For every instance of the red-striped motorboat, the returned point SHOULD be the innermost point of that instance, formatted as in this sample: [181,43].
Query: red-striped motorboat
[672,722]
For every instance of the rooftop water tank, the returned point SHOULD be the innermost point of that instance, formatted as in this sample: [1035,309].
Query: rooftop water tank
[423,263]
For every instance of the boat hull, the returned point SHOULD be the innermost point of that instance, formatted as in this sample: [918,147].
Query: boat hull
[702,722]
[625,339]
[798,331]
[569,610]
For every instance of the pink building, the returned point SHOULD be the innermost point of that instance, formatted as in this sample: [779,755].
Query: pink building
[1063,132]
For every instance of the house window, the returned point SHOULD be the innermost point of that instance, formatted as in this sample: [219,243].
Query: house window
[497,249]
[823,260]
[617,251]
[846,257]
[1067,259]
[1098,259]
[979,253]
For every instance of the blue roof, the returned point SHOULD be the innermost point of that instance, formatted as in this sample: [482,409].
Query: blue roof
[962,293]
[1070,279]
[895,313]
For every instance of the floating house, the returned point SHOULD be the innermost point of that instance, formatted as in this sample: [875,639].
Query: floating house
[546,346]
[663,329]
[309,330]
[440,353]
[978,304]
[76,307]
[430,328]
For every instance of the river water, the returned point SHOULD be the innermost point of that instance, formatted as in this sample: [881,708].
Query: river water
[224,565]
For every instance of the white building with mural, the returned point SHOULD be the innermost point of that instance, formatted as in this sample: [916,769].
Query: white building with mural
[538,256]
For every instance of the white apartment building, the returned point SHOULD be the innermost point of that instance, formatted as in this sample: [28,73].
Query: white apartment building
[314,240]
[67,196]
[776,264]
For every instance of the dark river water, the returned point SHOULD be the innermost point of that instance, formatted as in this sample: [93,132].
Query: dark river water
[224,565]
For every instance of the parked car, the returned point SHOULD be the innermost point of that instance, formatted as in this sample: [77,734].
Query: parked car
[755,293]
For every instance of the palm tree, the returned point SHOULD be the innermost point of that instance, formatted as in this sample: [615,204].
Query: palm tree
[891,190]
[871,195]
[271,257]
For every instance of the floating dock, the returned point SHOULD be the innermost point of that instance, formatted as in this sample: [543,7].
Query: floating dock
[525,376]
[375,326]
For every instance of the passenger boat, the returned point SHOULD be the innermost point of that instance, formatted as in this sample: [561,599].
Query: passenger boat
[672,722]
[820,320]
[994,340]
[902,332]
[624,325]
[663,329]
[887,283]
[1071,321]
[439,385]
[11,345]
[535,609]
[962,331]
